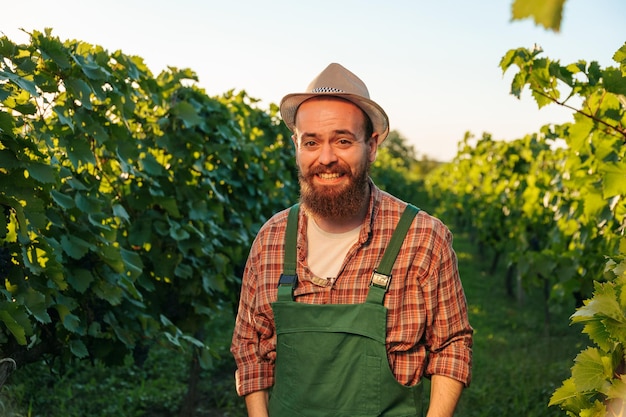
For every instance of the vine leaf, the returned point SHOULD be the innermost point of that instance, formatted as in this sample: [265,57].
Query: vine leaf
[78,348]
[618,388]
[547,13]
[603,304]
[589,370]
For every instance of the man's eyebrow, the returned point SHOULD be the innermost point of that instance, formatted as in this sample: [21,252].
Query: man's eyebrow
[344,132]
[339,132]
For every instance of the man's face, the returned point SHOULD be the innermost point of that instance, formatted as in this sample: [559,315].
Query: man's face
[333,156]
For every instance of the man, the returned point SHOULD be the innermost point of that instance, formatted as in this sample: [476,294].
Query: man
[339,315]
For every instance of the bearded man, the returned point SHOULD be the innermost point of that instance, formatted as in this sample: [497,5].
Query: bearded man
[352,296]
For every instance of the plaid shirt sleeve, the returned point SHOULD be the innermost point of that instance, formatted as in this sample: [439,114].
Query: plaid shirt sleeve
[254,339]
[427,326]
[449,337]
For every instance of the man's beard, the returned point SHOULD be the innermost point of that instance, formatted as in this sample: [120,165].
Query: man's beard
[335,201]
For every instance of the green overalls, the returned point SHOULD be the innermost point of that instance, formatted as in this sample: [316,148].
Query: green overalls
[331,359]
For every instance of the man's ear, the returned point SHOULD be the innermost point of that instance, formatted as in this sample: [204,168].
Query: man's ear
[373,144]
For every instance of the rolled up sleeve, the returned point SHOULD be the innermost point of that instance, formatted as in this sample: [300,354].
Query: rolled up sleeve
[449,338]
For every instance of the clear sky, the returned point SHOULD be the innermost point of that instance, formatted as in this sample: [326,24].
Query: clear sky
[433,65]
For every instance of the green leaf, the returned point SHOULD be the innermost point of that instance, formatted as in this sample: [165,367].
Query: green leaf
[57,275]
[183,271]
[594,203]
[64,116]
[8,159]
[88,204]
[80,90]
[124,335]
[80,279]
[42,173]
[6,122]
[579,134]
[111,255]
[178,233]
[74,246]
[169,204]
[14,327]
[71,322]
[173,339]
[29,257]
[614,81]
[66,202]
[599,334]
[133,262]
[91,125]
[76,184]
[617,389]
[603,304]
[26,108]
[616,328]
[7,48]
[79,150]
[614,179]
[36,303]
[206,359]
[564,393]
[21,82]
[187,113]
[120,211]
[52,49]
[547,13]
[108,292]
[620,57]
[78,349]
[151,165]
[589,370]
[90,68]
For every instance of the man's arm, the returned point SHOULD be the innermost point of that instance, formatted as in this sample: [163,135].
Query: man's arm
[444,396]
[256,403]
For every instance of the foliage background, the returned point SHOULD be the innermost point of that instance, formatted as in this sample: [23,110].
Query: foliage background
[116,185]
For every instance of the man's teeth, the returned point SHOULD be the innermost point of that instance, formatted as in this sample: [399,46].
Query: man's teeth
[329,176]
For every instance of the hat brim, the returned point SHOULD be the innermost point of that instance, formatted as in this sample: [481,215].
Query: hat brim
[380,122]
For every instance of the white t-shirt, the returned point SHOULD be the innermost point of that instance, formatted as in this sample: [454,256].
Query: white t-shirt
[326,251]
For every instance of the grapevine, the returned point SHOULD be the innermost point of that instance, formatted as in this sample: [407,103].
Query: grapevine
[555,203]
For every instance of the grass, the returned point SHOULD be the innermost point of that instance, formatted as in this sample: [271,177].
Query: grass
[517,365]
[518,362]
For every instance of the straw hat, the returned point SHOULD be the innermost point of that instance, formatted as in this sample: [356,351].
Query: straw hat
[337,81]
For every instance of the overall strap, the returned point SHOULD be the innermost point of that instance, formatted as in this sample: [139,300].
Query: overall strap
[381,278]
[289,278]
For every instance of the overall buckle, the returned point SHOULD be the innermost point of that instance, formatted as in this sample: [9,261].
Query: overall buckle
[380,280]
[287,285]
[287,280]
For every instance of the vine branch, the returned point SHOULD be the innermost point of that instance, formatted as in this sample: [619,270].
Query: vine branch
[620,131]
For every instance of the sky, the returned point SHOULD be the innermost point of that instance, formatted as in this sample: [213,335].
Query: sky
[432,65]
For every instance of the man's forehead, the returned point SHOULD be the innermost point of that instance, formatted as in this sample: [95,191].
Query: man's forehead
[329,109]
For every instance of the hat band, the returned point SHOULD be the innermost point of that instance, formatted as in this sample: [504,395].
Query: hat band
[327,90]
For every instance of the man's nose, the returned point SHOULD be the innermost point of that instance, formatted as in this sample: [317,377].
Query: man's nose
[327,154]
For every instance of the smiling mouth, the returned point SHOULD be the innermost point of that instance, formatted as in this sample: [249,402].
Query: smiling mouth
[329,176]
